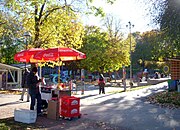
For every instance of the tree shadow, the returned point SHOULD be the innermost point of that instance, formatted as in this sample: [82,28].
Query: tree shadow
[133,113]
[11,103]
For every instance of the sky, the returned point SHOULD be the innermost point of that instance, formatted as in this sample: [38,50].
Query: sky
[125,11]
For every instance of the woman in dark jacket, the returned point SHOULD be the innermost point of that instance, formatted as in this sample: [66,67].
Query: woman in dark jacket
[101,84]
[33,83]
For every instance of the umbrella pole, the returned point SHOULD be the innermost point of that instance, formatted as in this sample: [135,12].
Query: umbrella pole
[59,77]
[59,82]
[40,71]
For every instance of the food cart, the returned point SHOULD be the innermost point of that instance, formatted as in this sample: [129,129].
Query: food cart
[52,94]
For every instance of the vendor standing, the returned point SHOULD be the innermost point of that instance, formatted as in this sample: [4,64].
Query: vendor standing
[33,83]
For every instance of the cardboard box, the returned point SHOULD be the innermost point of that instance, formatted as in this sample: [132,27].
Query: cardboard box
[53,109]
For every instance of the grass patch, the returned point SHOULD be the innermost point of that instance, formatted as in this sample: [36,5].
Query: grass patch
[128,89]
[138,88]
[16,92]
[10,124]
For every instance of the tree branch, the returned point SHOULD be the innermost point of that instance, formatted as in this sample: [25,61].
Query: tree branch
[1,23]
[41,11]
[48,13]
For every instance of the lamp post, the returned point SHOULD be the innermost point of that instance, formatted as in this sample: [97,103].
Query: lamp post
[1,43]
[26,35]
[130,26]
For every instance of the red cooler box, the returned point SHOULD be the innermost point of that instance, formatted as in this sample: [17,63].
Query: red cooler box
[70,107]
[70,101]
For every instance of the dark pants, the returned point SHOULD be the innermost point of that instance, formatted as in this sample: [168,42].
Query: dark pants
[33,101]
[101,88]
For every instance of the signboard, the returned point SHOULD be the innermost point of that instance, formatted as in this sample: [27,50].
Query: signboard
[166,69]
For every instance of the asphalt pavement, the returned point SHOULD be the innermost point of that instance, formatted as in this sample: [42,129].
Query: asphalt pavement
[129,110]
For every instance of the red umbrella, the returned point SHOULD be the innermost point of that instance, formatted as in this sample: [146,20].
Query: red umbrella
[26,55]
[59,54]
[62,54]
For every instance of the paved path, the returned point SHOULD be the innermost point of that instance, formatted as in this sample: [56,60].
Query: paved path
[128,109]
[8,103]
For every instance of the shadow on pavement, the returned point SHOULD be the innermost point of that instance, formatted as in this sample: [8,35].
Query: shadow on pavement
[11,103]
[131,111]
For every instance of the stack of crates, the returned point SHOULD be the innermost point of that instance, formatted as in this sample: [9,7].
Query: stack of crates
[70,107]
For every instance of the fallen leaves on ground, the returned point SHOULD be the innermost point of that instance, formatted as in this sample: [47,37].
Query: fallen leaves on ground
[166,99]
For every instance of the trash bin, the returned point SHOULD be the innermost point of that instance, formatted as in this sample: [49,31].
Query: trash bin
[172,85]
[178,86]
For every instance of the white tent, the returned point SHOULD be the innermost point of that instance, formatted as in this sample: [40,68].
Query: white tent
[15,74]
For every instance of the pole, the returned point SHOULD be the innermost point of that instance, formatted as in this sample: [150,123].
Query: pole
[82,81]
[124,78]
[26,49]
[26,35]
[59,72]
[130,53]
[130,26]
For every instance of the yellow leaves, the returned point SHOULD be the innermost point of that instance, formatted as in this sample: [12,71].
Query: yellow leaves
[55,26]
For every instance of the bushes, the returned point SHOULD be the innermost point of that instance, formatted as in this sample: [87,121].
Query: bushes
[3,127]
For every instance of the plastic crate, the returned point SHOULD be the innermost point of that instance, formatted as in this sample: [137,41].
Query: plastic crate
[25,115]
[70,101]
[70,111]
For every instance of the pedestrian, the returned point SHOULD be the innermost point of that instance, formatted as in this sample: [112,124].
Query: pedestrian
[33,83]
[156,75]
[24,85]
[101,84]
[124,84]
[145,74]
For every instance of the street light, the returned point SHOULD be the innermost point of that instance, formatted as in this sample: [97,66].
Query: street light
[1,44]
[130,26]
[27,35]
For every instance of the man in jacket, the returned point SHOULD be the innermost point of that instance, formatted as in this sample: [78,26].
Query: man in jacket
[33,83]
